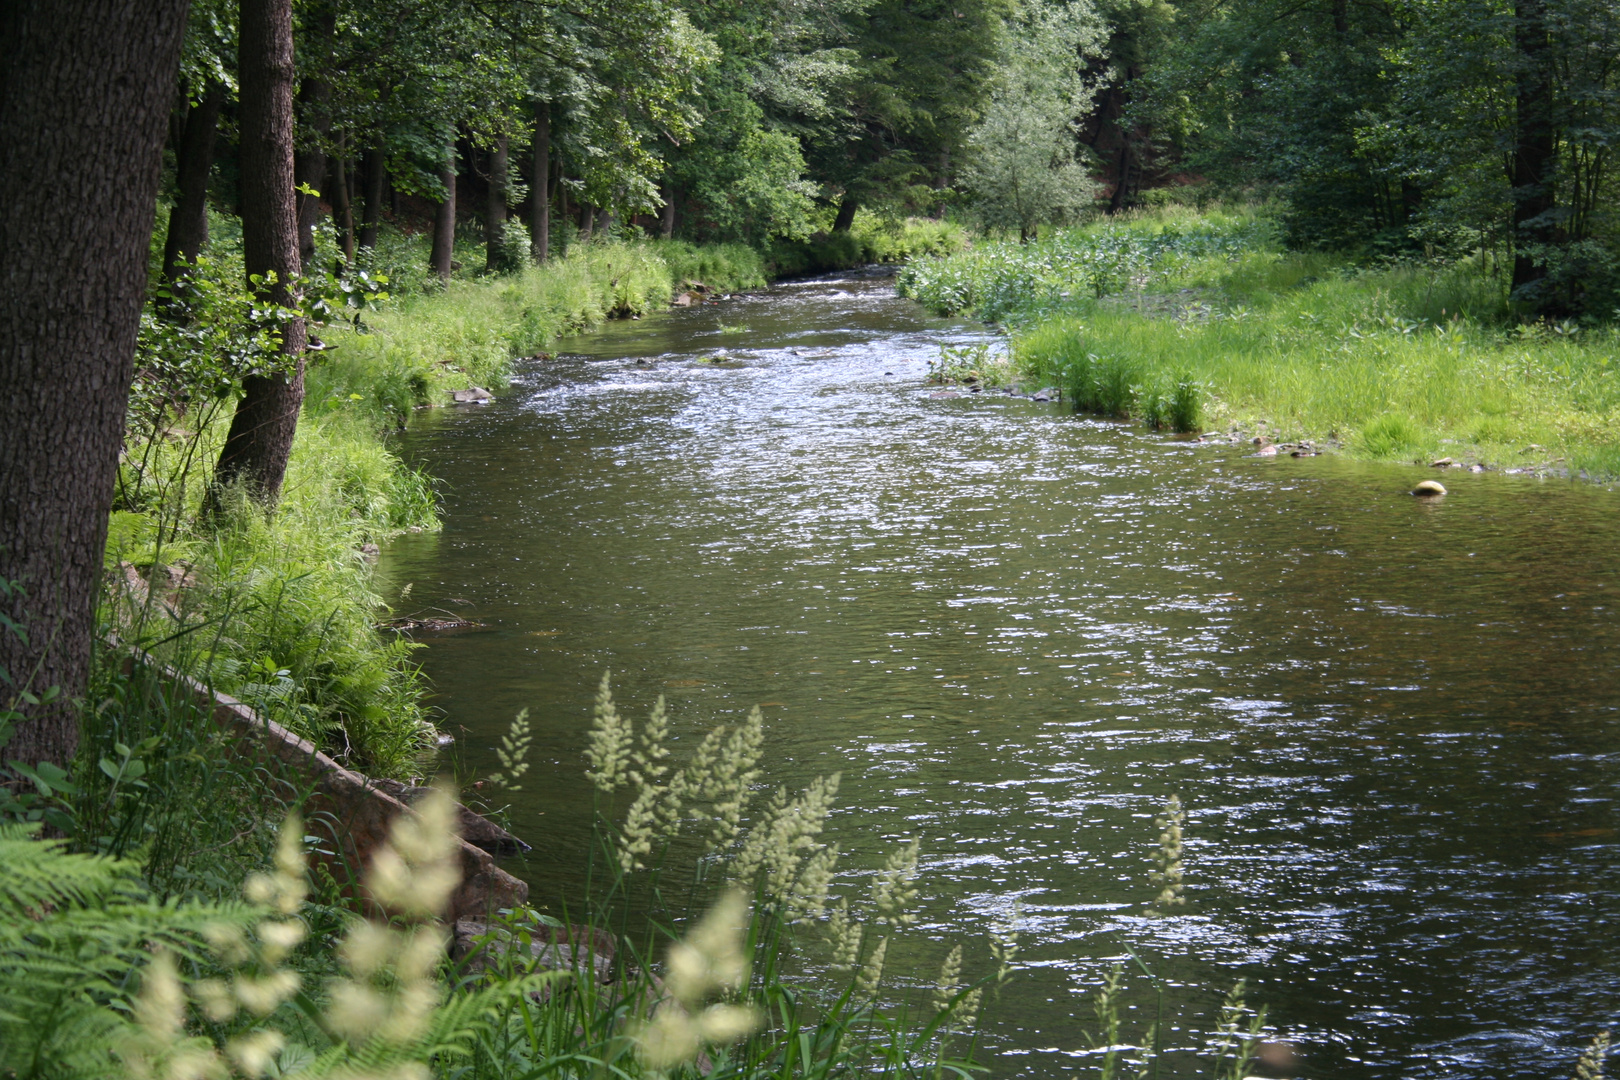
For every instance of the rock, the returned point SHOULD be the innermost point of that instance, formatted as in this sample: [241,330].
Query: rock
[683,300]
[1476,467]
[478,946]
[1260,440]
[369,552]
[429,623]
[1266,451]
[1443,463]
[1429,488]
[1041,396]
[476,829]
[471,394]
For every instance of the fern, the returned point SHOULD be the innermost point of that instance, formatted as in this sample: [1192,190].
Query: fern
[72,929]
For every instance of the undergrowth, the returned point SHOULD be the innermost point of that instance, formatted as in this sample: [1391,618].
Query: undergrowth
[1205,322]
[775,962]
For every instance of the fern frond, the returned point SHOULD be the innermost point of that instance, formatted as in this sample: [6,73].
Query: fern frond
[42,874]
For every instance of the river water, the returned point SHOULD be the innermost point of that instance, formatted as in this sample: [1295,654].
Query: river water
[1016,631]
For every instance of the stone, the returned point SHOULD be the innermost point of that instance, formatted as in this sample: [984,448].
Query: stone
[476,829]
[683,300]
[471,394]
[1266,451]
[1429,488]
[479,945]
[1443,463]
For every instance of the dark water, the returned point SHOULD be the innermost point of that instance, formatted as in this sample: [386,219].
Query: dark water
[1016,631]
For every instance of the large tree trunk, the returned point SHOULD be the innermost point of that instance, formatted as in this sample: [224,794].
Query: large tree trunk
[846,213]
[444,220]
[85,90]
[540,185]
[376,176]
[261,436]
[495,207]
[1534,154]
[194,161]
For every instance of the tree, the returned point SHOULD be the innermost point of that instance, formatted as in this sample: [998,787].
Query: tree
[1022,169]
[261,435]
[85,89]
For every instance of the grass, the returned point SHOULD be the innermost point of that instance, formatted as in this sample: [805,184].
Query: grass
[280,611]
[1406,362]
[770,963]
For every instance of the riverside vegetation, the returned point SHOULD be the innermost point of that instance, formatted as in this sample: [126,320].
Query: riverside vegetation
[147,959]
[281,610]
[1191,320]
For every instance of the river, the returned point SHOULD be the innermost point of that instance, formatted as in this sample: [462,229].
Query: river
[1016,631]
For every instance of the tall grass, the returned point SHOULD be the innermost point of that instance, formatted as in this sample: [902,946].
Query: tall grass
[772,963]
[1208,323]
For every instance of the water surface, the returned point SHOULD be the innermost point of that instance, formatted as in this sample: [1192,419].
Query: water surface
[1016,631]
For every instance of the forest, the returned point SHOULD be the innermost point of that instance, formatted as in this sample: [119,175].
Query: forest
[250,242]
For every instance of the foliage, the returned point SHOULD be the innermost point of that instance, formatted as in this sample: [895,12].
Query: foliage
[999,281]
[1021,168]
[1412,362]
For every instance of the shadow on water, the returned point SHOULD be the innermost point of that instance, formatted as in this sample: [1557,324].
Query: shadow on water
[1016,631]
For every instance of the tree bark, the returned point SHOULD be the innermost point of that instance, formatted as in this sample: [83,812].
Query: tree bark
[846,213]
[85,95]
[261,435]
[376,176]
[1534,154]
[495,212]
[587,221]
[342,206]
[540,185]
[314,123]
[666,218]
[444,219]
[194,161]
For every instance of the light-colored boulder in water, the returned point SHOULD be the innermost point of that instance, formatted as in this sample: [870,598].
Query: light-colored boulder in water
[1429,488]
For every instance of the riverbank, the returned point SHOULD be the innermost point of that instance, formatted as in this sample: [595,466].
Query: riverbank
[284,611]
[1407,362]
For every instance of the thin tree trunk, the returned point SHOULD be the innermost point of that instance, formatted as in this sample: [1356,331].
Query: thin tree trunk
[495,212]
[314,120]
[587,221]
[444,219]
[846,213]
[85,95]
[342,207]
[261,435]
[540,185]
[666,218]
[194,161]
[376,175]
[604,220]
[942,183]
[1534,154]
